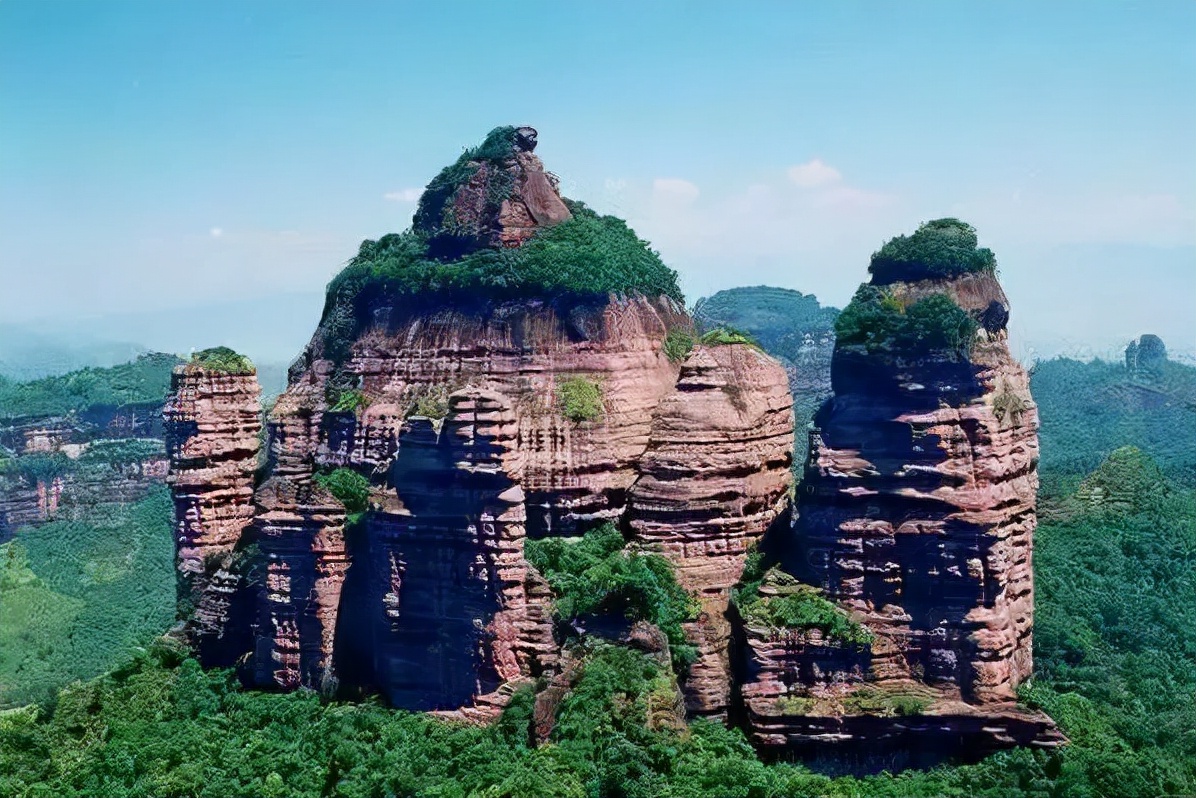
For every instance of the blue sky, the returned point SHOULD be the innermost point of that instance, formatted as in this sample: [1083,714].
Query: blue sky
[176,154]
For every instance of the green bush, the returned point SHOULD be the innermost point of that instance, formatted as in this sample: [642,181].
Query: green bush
[796,606]
[223,360]
[939,249]
[349,401]
[677,345]
[934,324]
[596,574]
[580,399]
[350,489]
[723,336]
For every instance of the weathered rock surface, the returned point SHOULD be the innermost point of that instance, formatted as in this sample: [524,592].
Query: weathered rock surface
[916,517]
[440,556]
[716,475]
[212,426]
[501,204]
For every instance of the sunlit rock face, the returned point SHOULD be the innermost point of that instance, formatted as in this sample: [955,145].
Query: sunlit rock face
[715,476]
[212,427]
[916,517]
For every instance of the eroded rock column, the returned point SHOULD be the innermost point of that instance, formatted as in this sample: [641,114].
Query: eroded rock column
[212,426]
[716,475]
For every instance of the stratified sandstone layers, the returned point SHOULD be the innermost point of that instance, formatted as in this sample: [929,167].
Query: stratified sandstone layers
[916,519]
[716,475]
[440,555]
[212,427]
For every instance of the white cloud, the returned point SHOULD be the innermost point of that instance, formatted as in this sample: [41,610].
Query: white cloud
[403,195]
[813,174]
[674,189]
[216,232]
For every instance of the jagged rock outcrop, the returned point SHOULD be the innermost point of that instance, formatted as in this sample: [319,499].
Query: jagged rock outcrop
[212,426]
[496,196]
[715,476]
[917,513]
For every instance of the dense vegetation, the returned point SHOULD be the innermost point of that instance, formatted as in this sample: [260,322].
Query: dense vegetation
[580,399]
[1090,409]
[788,604]
[146,379]
[939,249]
[878,321]
[223,360]
[350,489]
[597,575]
[76,596]
[588,255]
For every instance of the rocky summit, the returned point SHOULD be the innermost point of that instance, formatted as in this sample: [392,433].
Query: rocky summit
[518,368]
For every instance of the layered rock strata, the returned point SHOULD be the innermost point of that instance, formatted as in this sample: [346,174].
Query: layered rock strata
[212,428]
[917,514]
[440,554]
[715,476]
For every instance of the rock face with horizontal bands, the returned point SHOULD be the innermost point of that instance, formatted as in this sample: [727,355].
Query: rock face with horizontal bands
[212,427]
[917,513]
[715,476]
[429,599]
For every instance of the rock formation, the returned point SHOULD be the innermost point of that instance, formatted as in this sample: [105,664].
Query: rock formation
[471,386]
[715,476]
[916,519]
[212,424]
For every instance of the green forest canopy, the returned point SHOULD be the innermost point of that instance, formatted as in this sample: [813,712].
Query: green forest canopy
[877,321]
[146,379]
[938,249]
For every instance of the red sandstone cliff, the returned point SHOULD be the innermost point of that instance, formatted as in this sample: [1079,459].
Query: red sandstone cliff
[917,513]
[212,424]
[715,476]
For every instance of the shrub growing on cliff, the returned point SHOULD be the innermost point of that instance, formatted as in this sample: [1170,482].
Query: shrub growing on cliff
[878,321]
[350,489]
[580,399]
[939,249]
[795,606]
[223,360]
[723,336]
[677,345]
[349,401]
[596,574]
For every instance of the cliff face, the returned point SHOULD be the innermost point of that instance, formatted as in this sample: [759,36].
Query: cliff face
[440,556]
[212,424]
[917,513]
[715,476]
